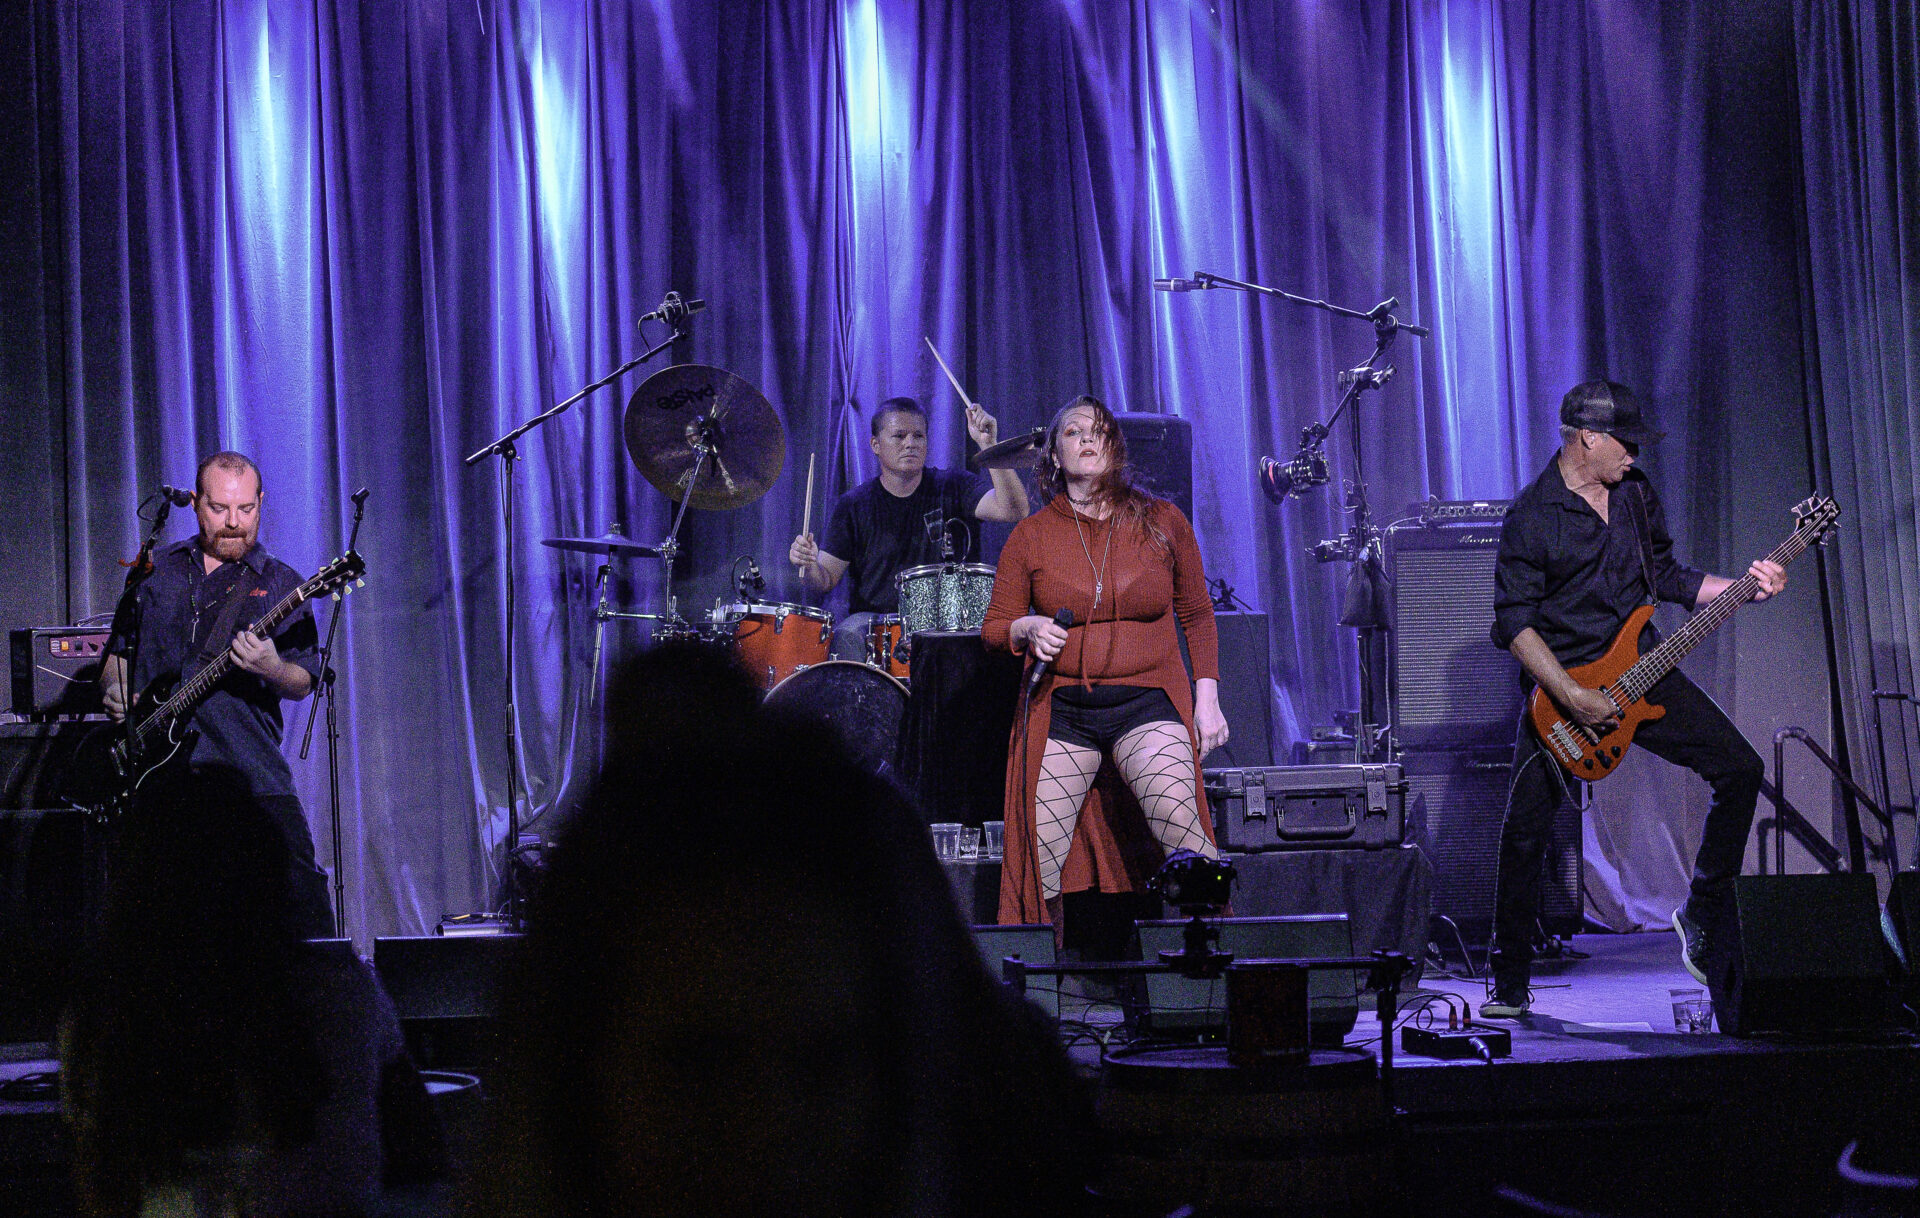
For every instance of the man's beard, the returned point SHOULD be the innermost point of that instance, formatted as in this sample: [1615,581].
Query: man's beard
[229,546]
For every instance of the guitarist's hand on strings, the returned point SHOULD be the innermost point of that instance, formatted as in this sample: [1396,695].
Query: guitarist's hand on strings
[261,658]
[1590,709]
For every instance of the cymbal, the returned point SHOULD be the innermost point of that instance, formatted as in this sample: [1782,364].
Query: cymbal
[681,410]
[613,545]
[1018,453]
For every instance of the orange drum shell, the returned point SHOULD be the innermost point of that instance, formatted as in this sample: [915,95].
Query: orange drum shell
[884,635]
[774,641]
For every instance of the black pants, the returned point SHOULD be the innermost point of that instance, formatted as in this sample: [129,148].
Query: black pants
[308,884]
[1694,733]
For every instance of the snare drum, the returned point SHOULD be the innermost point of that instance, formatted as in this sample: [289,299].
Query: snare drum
[858,702]
[945,596]
[773,641]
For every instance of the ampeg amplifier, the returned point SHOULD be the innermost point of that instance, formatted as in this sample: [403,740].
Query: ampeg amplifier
[1456,803]
[1448,685]
[56,670]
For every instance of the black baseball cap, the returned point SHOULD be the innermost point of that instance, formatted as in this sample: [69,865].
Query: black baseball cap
[1610,407]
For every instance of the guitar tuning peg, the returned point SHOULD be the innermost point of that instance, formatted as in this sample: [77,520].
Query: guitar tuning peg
[335,596]
[359,583]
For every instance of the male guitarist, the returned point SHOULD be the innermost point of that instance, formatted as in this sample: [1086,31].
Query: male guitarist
[1582,547]
[223,580]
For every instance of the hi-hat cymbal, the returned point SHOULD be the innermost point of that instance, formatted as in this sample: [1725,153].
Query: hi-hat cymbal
[613,545]
[681,410]
[1018,453]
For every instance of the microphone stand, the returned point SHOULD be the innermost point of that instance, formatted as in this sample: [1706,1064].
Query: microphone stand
[508,454]
[1360,545]
[333,731]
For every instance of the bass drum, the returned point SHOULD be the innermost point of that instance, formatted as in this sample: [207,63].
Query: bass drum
[857,702]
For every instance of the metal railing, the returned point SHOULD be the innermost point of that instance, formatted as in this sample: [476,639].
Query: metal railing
[1787,820]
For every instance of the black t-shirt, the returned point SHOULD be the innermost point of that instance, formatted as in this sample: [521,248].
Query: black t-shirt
[879,533]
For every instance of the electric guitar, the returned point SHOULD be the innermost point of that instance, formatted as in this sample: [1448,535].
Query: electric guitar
[157,727]
[1625,676]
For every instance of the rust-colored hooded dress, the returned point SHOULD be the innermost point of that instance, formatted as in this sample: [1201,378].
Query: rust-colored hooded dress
[1129,639]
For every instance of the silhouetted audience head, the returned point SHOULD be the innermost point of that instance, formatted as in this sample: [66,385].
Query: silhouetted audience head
[187,1033]
[747,991]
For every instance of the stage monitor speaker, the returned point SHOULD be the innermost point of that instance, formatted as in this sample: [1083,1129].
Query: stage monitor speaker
[1177,1004]
[1448,685]
[1456,803]
[1160,450]
[1032,943]
[1806,957]
[445,976]
[37,760]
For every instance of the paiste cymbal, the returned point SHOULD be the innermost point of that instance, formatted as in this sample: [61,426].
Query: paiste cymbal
[681,409]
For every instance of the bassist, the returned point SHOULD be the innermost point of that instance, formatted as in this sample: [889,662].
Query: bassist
[220,582]
[1581,548]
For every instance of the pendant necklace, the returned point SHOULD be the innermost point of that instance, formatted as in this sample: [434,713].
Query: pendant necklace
[1099,571]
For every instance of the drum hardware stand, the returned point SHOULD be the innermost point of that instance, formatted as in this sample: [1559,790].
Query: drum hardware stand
[1364,603]
[326,693]
[504,449]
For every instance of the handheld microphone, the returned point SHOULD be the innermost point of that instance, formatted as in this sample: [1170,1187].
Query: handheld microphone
[674,310]
[1064,620]
[1178,285]
[176,496]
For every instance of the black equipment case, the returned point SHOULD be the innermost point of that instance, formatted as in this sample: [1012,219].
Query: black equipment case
[1308,807]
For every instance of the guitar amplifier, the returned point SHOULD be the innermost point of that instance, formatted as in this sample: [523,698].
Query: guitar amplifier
[1448,685]
[1308,807]
[56,670]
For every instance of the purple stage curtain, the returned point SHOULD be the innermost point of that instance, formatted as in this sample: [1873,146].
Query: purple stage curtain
[359,240]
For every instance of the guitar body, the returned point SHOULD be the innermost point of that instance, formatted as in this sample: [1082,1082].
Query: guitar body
[132,760]
[1578,750]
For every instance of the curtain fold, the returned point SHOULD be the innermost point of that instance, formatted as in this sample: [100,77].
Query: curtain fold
[359,241]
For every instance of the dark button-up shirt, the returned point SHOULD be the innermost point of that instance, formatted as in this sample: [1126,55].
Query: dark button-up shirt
[163,625]
[1574,577]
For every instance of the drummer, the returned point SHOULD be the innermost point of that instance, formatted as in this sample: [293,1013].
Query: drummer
[897,520]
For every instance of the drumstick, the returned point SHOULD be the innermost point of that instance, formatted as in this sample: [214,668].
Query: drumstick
[950,376]
[806,519]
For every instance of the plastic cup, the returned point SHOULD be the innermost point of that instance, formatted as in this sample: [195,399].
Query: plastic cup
[1690,1010]
[946,841]
[993,845]
[969,841]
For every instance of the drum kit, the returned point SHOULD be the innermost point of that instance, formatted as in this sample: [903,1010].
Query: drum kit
[705,438]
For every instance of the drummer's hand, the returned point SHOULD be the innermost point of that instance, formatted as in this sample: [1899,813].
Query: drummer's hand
[1207,719]
[982,426]
[804,552]
[1042,635]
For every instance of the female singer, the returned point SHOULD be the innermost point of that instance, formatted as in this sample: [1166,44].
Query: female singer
[1126,563]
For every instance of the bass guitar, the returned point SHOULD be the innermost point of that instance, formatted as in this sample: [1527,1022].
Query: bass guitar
[157,727]
[1625,676]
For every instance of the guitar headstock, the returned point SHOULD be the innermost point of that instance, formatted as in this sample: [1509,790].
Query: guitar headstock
[337,578]
[1815,518]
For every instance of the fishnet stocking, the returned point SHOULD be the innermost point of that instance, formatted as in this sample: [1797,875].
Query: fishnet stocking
[1066,775]
[1156,759]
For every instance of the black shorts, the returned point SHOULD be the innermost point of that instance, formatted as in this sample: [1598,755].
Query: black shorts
[1097,716]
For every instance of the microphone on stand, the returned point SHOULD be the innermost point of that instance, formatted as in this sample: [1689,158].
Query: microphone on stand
[1064,620]
[674,310]
[359,497]
[1179,285]
[176,496]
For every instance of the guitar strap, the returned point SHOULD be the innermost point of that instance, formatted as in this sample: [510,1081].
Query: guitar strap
[1644,533]
[220,636]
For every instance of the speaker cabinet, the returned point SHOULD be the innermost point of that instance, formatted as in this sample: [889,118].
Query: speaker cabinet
[1031,943]
[1456,803]
[1246,692]
[1160,450]
[1448,685]
[446,990]
[1805,956]
[45,855]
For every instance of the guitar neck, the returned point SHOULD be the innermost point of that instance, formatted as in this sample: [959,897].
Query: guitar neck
[197,687]
[1637,680]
